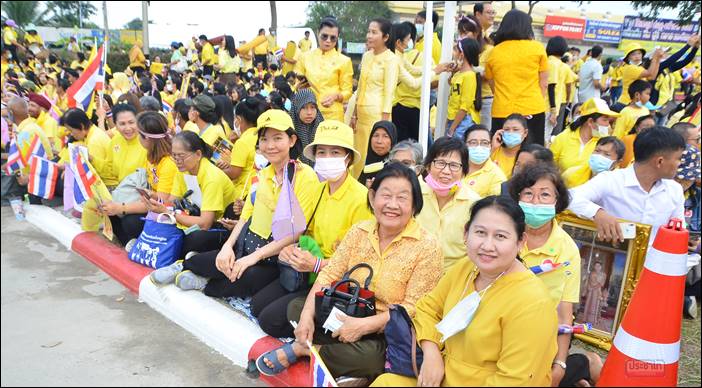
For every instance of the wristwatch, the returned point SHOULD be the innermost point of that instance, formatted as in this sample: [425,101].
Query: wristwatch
[559,363]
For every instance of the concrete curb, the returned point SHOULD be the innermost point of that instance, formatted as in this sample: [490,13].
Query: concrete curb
[215,324]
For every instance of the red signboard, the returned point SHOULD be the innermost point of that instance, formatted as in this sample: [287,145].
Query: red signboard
[569,28]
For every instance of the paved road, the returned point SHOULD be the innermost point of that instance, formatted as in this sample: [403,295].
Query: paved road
[65,322]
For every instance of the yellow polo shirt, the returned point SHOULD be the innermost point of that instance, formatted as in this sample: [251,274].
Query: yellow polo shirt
[50,127]
[162,175]
[261,49]
[446,225]
[627,118]
[217,189]
[486,181]
[435,47]
[243,155]
[9,35]
[576,175]
[630,73]
[568,150]
[338,212]
[503,161]
[124,157]
[306,187]
[563,283]
[556,76]
[462,97]
[209,134]
[207,56]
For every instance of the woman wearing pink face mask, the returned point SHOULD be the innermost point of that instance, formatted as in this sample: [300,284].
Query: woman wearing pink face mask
[446,201]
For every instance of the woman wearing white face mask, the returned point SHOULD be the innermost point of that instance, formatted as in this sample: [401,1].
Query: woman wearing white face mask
[489,321]
[574,147]
[341,205]
[447,201]
[484,176]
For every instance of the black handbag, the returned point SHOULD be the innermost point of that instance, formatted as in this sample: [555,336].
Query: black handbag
[346,295]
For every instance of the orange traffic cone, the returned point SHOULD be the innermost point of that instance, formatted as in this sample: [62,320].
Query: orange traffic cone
[646,348]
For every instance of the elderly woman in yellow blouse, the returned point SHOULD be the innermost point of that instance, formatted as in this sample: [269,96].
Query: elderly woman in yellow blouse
[376,86]
[574,147]
[328,72]
[447,200]
[489,321]
[406,264]
[542,194]
[484,177]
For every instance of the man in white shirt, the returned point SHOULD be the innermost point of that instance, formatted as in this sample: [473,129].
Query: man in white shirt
[644,193]
[591,76]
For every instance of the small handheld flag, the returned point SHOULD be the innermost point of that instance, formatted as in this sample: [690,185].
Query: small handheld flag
[15,161]
[547,266]
[43,175]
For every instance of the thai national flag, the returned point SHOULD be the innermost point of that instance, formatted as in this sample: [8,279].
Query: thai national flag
[84,177]
[166,106]
[43,175]
[320,374]
[36,148]
[15,161]
[93,78]
[279,52]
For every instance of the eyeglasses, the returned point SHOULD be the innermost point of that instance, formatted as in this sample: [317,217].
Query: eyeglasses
[441,164]
[181,157]
[475,143]
[328,37]
[545,197]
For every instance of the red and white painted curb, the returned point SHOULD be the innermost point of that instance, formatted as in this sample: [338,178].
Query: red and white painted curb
[208,319]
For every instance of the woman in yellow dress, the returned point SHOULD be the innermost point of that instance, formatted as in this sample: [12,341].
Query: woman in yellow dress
[490,321]
[376,86]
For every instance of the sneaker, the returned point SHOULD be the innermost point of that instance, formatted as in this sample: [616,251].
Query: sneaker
[345,381]
[191,254]
[130,245]
[187,280]
[166,275]
[690,307]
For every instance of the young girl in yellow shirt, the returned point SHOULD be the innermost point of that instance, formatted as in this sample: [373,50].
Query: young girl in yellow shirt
[465,100]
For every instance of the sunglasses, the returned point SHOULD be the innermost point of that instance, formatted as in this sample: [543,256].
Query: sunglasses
[328,37]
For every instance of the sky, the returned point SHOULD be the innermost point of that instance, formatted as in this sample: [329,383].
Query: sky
[180,20]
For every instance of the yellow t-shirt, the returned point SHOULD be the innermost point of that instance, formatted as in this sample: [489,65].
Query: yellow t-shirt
[568,150]
[556,75]
[207,56]
[50,127]
[125,156]
[435,47]
[462,97]
[136,57]
[515,65]
[485,88]
[576,175]
[26,132]
[216,187]
[338,212]
[445,224]
[209,134]
[630,73]
[306,187]
[33,39]
[228,64]
[305,45]
[504,161]
[243,155]
[162,175]
[563,283]
[627,119]
[486,181]
[261,49]
[327,72]
[98,143]
[9,35]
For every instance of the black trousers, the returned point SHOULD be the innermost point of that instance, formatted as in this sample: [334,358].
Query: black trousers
[208,240]
[127,227]
[535,123]
[407,122]
[270,307]
[253,280]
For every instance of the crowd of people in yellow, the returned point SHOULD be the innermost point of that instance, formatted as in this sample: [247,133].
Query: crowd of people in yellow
[221,138]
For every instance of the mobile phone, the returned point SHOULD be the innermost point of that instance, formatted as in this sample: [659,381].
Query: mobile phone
[143,193]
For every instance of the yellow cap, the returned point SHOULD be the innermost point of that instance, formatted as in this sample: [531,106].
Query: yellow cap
[332,133]
[633,46]
[596,105]
[276,119]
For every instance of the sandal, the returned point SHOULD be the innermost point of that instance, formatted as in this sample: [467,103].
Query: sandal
[272,356]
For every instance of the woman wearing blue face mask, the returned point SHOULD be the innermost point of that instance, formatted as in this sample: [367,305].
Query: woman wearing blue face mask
[607,155]
[542,194]
[484,177]
[507,141]
[481,324]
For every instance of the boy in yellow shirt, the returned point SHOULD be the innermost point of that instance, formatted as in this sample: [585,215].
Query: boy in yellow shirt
[639,93]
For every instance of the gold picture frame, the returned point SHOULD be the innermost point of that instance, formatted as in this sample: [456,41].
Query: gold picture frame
[609,274]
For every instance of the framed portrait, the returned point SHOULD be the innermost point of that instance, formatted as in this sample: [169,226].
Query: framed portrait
[609,273]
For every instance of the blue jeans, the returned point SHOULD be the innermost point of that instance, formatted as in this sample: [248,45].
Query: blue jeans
[461,128]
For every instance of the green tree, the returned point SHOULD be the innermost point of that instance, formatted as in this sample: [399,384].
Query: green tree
[24,12]
[353,16]
[686,9]
[134,24]
[71,13]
